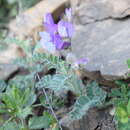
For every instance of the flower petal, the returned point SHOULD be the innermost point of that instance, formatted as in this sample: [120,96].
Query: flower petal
[65,29]
[68,13]
[58,42]
[45,36]
[82,61]
[51,28]
[62,29]
[49,46]
[70,29]
[48,19]
[65,45]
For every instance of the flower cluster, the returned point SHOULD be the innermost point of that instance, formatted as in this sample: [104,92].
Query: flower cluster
[54,37]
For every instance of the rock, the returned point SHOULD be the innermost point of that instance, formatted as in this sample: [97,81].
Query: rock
[6,70]
[88,11]
[11,53]
[29,23]
[93,120]
[105,41]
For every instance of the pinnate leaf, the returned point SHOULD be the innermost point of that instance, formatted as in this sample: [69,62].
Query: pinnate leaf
[39,122]
[95,96]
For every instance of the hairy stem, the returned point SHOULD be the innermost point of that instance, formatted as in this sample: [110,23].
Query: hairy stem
[50,106]
[8,120]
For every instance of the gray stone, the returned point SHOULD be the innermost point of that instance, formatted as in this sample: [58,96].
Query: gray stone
[6,70]
[105,41]
[106,44]
[29,23]
[93,120]
[88,11]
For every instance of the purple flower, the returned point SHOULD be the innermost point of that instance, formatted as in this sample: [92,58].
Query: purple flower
[58,41]
[47,42]
[82,61]
[65,29]
[62,45]
[52,28]
[46,36]
[66,45]
[49,23]
[68,13]
[52,42]
[48,19]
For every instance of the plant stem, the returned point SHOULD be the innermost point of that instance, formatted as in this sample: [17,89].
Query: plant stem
[19,7]
[37,105]
[24,125]
[47,99]
[8,120]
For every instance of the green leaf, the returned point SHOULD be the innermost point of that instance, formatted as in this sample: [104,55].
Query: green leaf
[115,93]
[2,85]
[18,101]
[128,107]
[21,62]
[38,62]
[23,113]
[10,126]
[75,84]
[23,82]
[60,83]
[37,68]
[121,83]
[122,126]
[124,119]
[39,122]
[95,97]
[11,1]
[82,104]
[50,117]
[24,44]
[28,97]
[55,128]
[57,82]
[122,114]
[36,48]
[128,63]
[2,108]
[95,92]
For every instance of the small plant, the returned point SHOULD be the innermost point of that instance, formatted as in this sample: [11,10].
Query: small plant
[17,104]
[57,36]
[43,91]
[121,101]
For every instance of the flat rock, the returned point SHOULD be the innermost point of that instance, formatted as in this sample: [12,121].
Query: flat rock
[9,54]
[105,42]
[88,11]
[6,70]
[29,23]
